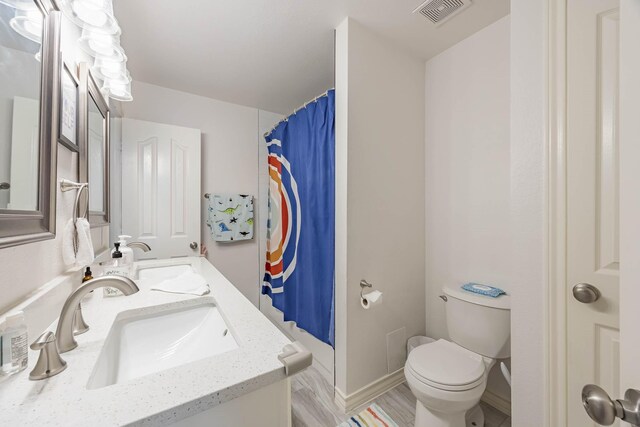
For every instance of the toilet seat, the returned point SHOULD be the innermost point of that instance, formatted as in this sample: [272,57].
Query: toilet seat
[446,366]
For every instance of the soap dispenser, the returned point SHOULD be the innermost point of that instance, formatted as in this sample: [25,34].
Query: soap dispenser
[127,252]
[117,267]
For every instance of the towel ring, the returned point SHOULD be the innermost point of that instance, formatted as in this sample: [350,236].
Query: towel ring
[76,210]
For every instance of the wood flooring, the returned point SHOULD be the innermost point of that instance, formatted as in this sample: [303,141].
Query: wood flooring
[313,406]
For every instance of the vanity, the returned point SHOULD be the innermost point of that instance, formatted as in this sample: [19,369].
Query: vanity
[157,358]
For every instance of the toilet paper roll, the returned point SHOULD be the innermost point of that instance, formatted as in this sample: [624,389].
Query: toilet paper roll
[371,299]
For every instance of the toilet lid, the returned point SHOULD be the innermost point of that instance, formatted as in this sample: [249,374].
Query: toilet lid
[446,365]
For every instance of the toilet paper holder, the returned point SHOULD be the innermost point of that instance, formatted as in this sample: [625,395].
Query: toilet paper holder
[364,284]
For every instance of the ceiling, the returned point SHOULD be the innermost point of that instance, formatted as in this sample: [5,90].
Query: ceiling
[271,54]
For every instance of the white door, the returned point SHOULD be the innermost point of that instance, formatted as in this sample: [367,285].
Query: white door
[596,224]
[629,196]
[25,149]
[161,188]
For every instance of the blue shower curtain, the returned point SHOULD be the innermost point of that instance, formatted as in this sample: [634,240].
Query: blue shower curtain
[299,275]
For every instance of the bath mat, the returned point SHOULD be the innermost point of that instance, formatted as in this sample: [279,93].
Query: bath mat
[373,416]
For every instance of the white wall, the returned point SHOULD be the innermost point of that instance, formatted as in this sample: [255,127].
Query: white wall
[468,193]
[229,165]
[379,201]
[27,267]
[529,109]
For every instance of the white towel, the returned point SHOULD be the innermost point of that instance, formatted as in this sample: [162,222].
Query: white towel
[187,283]
[84,256]
[68,254]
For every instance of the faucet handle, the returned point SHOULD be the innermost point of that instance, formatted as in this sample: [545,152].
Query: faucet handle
[49,362]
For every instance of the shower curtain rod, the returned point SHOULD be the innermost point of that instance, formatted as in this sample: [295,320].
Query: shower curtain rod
[295,111]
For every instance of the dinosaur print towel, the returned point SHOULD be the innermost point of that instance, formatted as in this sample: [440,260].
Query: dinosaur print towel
[230,217]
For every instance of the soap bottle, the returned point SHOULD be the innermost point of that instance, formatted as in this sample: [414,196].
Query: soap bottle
[127,252]
[88,275]
[14,354]
[117,267]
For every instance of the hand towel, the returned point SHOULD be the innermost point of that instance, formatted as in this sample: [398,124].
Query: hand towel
[80,235]
[230,217]
[485,290]
[68,251]
[84,256]
[187,283]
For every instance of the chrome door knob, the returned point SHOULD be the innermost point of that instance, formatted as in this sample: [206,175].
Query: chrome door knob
[604,411]
[586,293]
[193,245]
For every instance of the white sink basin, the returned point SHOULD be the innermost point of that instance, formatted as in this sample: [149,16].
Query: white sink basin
[163,272]
[143,344]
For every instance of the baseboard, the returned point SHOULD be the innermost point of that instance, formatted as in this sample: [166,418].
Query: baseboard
[498,402]
[368,392]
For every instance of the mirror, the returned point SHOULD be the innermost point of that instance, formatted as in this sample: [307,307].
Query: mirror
[29,72]
[94,127]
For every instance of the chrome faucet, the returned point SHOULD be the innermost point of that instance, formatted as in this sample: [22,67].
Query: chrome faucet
[64,332]
[139,245]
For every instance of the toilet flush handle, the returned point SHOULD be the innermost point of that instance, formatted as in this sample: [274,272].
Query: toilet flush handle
[444,298]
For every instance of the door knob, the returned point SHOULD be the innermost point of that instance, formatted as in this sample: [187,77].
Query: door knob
[604,411]
[193,245]
[586,293]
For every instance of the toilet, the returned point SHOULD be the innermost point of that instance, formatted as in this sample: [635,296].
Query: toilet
[449,377]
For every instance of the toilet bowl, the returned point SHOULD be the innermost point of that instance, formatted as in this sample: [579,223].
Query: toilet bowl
[449,377]
[447,380]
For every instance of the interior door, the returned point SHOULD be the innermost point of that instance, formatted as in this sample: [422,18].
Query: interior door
[25,148]
[161,188]
[629,196]
[603,211]
[593,244]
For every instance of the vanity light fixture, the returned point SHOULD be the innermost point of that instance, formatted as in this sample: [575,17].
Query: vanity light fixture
[101,39]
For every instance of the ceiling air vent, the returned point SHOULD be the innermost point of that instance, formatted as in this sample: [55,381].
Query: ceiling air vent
[440,11]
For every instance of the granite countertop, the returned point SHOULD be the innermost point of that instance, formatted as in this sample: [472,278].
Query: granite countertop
[155,399]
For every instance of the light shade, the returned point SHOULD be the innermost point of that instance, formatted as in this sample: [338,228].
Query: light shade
[120,91]
[103,45]
[95,15]
[105,68]
[20,4]
[28,23]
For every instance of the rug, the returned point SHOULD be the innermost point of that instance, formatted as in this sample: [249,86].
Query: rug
[373,416]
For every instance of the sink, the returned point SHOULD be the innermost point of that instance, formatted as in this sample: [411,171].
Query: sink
[163,272]
[143,344]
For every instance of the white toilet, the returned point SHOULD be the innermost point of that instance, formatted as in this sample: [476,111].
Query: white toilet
[449,377]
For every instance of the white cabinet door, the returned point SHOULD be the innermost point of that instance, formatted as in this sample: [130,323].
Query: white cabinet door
[161,188]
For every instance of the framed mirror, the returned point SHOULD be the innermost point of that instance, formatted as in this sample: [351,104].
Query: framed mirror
[94,146]
[29,90]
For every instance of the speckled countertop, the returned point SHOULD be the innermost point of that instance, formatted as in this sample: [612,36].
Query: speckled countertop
[156,399]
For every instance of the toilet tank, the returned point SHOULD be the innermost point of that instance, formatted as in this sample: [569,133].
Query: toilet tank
[479,323]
